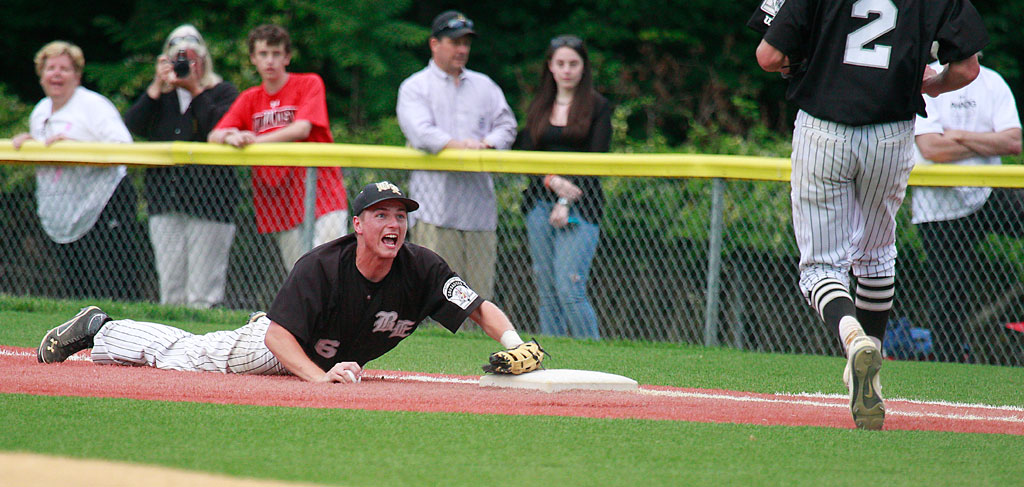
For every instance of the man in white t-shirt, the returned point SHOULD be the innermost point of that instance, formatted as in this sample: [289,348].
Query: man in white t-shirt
[972,126]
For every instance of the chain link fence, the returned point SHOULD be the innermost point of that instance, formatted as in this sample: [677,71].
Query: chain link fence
[682,260]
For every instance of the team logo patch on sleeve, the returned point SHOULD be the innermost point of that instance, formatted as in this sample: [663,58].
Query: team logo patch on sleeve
[458,292]
[771,7]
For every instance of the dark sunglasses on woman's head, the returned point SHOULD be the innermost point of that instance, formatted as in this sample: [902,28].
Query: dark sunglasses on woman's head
[567,40]
[186,38]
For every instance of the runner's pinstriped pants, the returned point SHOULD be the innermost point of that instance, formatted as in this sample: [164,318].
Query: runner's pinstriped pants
[848,182]
[240,351]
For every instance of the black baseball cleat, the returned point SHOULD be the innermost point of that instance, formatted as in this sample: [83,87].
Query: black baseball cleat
[71,337]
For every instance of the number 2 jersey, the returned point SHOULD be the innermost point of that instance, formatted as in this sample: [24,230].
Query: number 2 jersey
[862,61]
[337,315]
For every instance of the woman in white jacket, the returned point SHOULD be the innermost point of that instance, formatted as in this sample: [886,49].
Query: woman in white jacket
[88,210]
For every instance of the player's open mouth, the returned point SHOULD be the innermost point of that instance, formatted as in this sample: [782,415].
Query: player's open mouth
[390,239]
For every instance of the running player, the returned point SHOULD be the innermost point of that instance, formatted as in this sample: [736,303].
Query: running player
[857,69]
[345,303]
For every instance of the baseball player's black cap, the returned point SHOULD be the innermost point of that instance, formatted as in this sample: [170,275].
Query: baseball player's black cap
[451,24]
[374,193]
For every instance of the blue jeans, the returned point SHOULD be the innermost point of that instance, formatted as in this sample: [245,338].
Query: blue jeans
[561,267]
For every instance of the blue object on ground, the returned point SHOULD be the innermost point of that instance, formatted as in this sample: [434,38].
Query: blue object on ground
[903,341]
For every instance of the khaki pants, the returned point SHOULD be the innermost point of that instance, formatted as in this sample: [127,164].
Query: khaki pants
[470,254]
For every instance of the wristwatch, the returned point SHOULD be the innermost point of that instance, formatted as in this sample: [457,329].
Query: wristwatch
[563,201]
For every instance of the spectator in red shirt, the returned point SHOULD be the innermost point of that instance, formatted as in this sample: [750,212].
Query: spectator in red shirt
[286,107]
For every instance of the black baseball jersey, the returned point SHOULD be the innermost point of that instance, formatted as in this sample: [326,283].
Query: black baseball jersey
[862,61]
[337,315]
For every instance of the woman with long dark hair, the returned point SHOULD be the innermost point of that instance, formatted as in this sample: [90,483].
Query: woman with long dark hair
[563,212]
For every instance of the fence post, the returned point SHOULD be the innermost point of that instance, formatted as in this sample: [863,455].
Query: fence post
[309,205]
[714,262]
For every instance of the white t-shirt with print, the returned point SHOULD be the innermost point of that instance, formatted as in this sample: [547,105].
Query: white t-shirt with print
[71,198]
[985,105]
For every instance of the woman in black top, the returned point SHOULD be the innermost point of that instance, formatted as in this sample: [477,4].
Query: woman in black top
[191,208]
[563,212]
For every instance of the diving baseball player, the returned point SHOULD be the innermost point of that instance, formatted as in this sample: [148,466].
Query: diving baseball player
[856,70]
[344,304]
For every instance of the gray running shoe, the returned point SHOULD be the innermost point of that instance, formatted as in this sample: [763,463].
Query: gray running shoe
[74,335]
[866,402]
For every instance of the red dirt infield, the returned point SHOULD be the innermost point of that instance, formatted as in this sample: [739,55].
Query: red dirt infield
[405,391]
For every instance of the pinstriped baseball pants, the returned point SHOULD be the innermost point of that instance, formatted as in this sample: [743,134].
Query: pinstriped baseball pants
[240,351]
[848,183]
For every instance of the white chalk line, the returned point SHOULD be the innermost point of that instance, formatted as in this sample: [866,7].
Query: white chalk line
[821,404]
[9,353]
[914,401]
[737,398]
[428,378]
[801,402]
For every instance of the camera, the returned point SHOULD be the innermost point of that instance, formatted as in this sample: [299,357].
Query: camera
[182,66]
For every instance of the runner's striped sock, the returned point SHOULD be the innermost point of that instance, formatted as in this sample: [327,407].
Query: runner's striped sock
[874,304]
[832,301]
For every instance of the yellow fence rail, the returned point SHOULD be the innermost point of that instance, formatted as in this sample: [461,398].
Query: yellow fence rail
[516,162]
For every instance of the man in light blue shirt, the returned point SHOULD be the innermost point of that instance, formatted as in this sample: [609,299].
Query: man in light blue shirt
[446,106]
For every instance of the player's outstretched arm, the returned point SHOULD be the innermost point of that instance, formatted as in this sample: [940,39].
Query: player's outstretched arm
[496,324]
[519,357]
[287,350]
[956,75]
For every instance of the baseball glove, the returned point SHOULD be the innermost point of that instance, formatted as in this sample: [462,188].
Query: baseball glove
[526,357]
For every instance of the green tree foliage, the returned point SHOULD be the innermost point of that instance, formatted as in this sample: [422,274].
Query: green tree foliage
[356,46]
[684,72]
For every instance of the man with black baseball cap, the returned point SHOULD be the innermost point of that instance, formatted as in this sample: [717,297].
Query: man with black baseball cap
[374,193]
[452,24]
[447,106]
[344,304]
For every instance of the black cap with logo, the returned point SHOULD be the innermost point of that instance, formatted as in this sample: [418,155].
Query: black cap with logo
[374,193]
[451,24]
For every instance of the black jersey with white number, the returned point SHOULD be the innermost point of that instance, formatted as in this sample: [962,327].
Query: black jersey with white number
[862,61]
[337,315]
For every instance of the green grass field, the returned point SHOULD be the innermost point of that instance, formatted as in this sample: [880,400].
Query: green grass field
[356,448]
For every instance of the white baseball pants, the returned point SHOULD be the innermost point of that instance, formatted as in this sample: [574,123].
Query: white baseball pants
[847,185]
[241,351]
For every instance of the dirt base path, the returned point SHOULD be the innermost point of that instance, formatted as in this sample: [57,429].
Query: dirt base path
[400,391]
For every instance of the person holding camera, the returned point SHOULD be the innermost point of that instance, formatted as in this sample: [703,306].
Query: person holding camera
[191,208]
